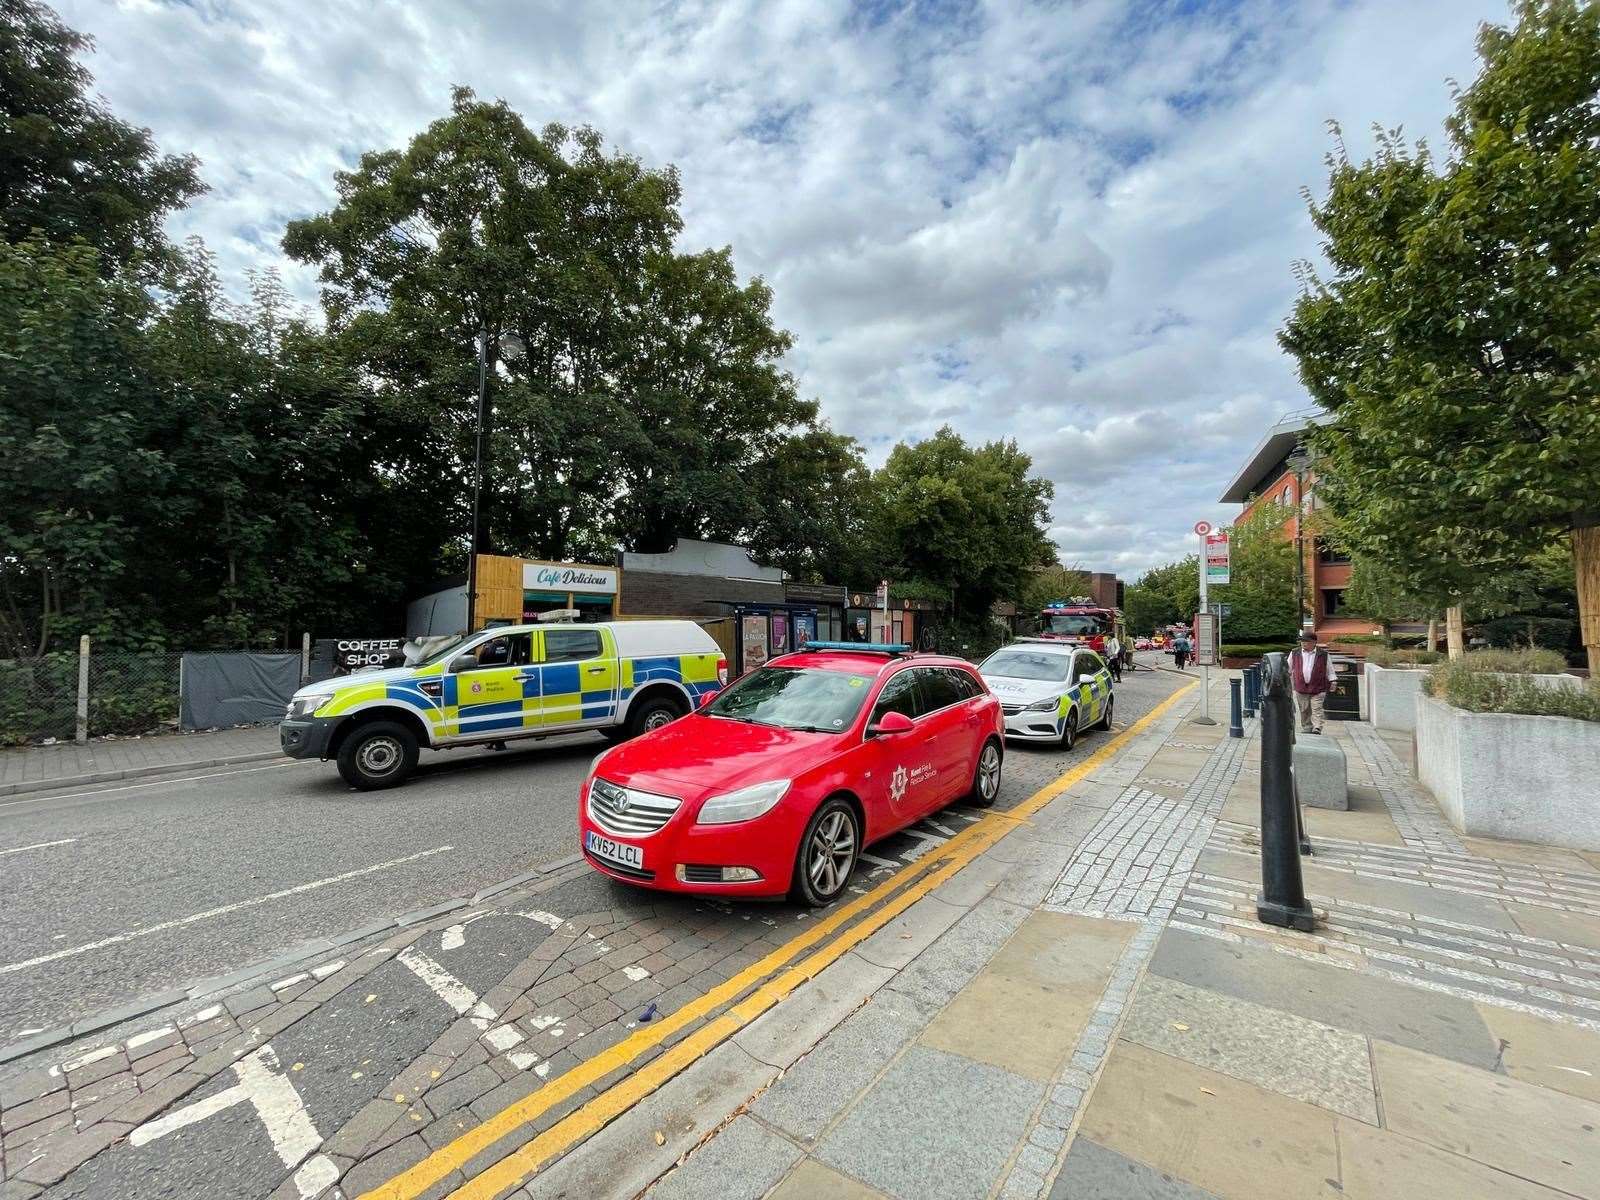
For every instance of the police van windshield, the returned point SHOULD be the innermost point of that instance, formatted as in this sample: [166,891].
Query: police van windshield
[794,698]
[1076,624]
[1027,664]
[448,650]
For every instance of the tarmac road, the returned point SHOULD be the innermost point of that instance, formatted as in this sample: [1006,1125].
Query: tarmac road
[126,890]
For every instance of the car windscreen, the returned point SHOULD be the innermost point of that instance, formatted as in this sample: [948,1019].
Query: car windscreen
[444,652]
[1077,624]
[794,698]
[1028,664]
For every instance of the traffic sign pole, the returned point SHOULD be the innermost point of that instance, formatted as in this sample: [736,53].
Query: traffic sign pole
[1201,529]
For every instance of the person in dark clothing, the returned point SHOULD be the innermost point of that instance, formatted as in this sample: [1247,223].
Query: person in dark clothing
[1180,650]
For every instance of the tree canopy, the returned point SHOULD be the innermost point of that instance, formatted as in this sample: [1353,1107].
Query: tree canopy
[181,469]
[1454,334]
[68,167]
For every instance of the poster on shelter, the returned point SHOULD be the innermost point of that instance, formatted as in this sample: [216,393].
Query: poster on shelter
[754,637]
[805,629]
[780,634]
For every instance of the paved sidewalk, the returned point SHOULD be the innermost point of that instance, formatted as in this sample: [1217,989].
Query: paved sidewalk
[1109,1020]
[35,768]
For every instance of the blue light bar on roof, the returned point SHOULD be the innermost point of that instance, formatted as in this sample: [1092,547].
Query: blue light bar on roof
[861,647]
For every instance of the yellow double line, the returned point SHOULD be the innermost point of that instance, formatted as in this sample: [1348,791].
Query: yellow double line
[771,982]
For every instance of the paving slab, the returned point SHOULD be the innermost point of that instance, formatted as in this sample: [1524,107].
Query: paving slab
[788,1030]
[1552,1054]
[1211,1130]
[1380,1165]
[1569,928]
[1284,1053]
[821,1085]
[1539,1134]
[1426,1020]
[813,1180]
[1025,1011]
[1092,1172]
[626,1158]
[925,1097]
[743,1162]
[1552,857]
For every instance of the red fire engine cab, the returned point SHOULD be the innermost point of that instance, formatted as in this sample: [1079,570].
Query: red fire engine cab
[1083,622]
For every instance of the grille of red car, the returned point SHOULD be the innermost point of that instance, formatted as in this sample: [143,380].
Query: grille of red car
[626,812]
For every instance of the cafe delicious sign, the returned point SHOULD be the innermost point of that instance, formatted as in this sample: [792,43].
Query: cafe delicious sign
[560,577]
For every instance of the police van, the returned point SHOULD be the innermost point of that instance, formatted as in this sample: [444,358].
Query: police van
[618,678]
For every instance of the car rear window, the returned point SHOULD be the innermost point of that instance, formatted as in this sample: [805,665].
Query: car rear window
[794,698]
[1028,664]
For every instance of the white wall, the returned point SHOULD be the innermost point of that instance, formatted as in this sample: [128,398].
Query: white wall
[1507,775]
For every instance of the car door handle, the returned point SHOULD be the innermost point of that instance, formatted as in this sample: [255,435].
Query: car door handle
[594,670]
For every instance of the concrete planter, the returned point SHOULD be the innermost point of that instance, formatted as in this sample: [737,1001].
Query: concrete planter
[1392,696]
[1507,775]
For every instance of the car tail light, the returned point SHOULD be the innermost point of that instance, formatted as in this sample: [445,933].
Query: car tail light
[722,671]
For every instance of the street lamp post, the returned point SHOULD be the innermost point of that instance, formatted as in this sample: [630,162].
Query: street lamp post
[1298,463]
[508,346]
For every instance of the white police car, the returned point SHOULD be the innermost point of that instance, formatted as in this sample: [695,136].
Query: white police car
[1049,690]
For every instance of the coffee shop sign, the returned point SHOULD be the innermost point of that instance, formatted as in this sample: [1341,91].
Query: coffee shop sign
[568,579]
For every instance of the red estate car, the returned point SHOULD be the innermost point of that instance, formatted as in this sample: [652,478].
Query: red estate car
[776,784]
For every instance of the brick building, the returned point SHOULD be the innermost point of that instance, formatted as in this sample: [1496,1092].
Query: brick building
[1268,479]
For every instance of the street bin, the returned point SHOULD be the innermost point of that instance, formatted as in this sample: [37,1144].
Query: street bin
[1343,703]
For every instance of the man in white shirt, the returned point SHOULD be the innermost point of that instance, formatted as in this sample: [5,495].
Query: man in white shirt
[1114,657]
[1312,675]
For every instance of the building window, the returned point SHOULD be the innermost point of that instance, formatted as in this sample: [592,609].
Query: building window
[1332,601]
[1330,554]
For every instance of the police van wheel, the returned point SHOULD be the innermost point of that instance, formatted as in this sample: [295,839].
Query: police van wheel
[653,714]
[1105,721]
[1069,729]
[376,756]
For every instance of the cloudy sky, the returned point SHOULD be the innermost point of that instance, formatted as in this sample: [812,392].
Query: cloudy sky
[1070,223]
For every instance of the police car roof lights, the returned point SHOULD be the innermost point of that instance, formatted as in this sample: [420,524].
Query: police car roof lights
[890,648]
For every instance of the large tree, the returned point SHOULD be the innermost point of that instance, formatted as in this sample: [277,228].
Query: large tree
[1455,336]
[650,398]
[69,168]
[970,519]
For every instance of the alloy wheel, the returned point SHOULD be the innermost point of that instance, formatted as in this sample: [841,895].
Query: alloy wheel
[831,853]
[989,772]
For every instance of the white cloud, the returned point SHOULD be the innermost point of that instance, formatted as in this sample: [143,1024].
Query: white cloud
[1067,223]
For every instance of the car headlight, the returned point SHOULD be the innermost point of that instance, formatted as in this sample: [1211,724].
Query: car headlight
[1049,705]
[744,805]
[304,706]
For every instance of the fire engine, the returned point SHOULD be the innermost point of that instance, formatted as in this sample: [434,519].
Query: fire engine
[1083,622]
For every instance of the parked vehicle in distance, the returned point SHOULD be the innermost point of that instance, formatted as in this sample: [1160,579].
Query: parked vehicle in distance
[619,678]
[1049,690]
[1143,643]
[774,786]
[1082,622]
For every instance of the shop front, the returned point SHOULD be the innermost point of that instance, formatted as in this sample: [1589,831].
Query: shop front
[514,591]
[909,622]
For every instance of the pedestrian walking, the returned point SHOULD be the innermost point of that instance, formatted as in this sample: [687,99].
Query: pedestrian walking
[1114,657]
[1312,674]
[1180,650]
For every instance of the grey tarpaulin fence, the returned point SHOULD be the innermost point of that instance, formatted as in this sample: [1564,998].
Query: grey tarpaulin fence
[235,689]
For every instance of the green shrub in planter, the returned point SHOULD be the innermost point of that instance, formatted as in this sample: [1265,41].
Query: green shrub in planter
[1403,658]
[1497,681]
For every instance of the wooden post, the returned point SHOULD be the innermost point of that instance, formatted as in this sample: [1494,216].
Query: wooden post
[1454,631]
[1586,560]
[81,734]
[1433,633]
[305,657]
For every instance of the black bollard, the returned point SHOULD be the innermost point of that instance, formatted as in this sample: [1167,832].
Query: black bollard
[1235,708]
[1283,897]
[1252,688]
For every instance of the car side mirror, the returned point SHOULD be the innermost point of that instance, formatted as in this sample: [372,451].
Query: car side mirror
[891,722]
[707,697]
[463,662]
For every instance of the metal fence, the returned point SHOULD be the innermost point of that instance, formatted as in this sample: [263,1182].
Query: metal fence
[118,693]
